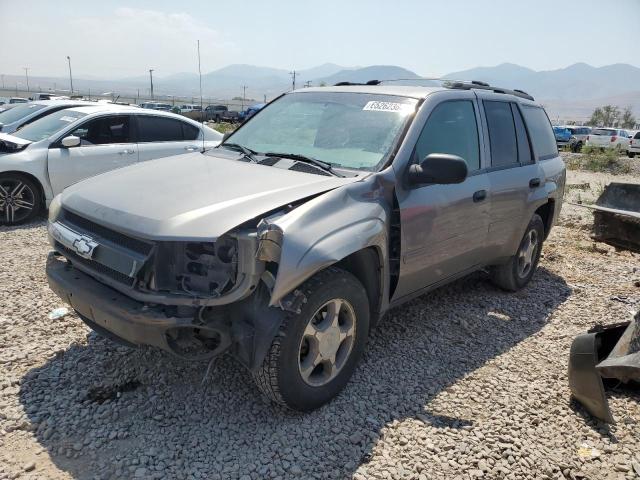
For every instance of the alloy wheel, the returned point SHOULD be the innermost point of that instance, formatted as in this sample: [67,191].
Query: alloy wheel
[327,342]
[17,200]
[527,253]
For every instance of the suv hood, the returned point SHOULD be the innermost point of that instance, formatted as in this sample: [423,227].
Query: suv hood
[190,197]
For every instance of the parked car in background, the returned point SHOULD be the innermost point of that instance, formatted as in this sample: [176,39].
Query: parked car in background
[41,159]
[634,145]
[251,111]
[220,113]
[608,138]
[47,96]
[18,100]
[23,114]
[562,135]
[579,136]
[190,108]
[284,246]
[163,107]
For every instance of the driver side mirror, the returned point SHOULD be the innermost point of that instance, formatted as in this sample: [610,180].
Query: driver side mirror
[70,141]
[439,168]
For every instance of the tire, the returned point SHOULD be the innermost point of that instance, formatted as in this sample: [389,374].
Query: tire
[577,147]
[512,276]
[631,154]
[20,199]
[291,374]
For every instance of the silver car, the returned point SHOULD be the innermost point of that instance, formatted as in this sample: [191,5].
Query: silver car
[284,246]
[23,114]
[44,157]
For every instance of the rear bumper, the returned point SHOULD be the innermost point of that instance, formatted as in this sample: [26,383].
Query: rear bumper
[109,310]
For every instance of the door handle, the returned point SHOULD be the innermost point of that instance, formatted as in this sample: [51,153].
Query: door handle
[534,182]
[479,196]
[126,152]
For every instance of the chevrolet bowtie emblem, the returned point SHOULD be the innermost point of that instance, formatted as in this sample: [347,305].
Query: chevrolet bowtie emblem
[84,247]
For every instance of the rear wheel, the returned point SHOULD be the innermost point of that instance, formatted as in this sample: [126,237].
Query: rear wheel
[20,199]
[316,351]
[577,147]
[517,272]
[631,154]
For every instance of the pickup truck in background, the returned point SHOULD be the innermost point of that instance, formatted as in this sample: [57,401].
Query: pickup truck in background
[220,113]
[609,138]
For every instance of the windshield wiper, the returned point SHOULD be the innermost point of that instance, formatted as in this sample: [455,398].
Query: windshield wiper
[302,158]
[247,152]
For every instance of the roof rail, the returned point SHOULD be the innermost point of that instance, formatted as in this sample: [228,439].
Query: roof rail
[476,84]
[449,83]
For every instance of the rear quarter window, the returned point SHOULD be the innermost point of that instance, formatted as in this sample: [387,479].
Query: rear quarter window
[544,141]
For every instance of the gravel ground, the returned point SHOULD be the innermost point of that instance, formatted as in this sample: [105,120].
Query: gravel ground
[465,382]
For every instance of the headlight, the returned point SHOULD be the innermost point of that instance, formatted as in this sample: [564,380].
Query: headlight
[54,208]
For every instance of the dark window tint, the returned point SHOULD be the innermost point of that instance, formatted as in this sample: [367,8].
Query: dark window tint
[190,132]
[637,136]
[104,130]
[451,128]
[524,147]
[542,137]
[161,129]
[502,134]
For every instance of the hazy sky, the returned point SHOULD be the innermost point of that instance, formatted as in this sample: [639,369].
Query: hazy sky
[117,39]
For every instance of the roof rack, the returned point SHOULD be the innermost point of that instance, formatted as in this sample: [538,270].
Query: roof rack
[476,84]
[449,83]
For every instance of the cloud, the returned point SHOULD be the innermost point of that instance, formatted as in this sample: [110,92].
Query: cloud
[125,42]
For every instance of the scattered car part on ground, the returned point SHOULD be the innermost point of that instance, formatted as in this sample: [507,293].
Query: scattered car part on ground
[609,352]
[286,244]
[42,158]
[616,216]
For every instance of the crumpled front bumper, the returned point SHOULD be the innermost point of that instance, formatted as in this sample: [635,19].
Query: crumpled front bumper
[108,311]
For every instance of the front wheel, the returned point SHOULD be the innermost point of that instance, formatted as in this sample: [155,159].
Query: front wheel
[517,272]
[316,351]
[20,199]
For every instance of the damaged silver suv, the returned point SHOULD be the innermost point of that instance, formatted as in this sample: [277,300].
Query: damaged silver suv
[285,245]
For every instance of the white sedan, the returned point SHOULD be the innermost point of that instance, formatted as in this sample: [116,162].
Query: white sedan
[40,160]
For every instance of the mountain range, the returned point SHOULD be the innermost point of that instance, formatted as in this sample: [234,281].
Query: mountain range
[572,89]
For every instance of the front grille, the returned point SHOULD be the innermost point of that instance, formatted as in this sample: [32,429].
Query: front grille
[89,227]
[306,168]
[94,266]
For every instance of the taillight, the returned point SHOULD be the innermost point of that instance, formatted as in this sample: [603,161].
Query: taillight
[613,139]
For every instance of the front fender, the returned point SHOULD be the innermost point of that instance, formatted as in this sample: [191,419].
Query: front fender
[329,228]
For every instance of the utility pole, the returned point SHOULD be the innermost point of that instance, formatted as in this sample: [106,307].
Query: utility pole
[26,74]
[151,78]
[70,76]
[3,81]
[138,97]
[244,94]
[265,98]
[293,76]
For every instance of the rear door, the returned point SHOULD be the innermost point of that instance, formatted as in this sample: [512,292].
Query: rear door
[160,136]
[106,144]
[514,177]
[444,227]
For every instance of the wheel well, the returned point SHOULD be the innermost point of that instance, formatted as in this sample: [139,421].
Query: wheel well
[546,213]
[35,181]
[366,266]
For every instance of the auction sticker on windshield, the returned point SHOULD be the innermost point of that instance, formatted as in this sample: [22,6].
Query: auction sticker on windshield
[375,106]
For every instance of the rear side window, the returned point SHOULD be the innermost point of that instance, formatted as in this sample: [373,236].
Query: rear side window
[451,128]
[637,137]
[544,141]
[502,134]
[104,130]
[161,129]
[524,147]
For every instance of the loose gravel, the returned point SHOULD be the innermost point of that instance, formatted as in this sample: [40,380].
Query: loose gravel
[466,382]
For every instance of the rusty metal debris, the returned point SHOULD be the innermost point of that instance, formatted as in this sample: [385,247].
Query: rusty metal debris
[609,352]
[616,216]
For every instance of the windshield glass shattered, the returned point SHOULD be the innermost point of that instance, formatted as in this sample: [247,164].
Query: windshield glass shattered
[350,130]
